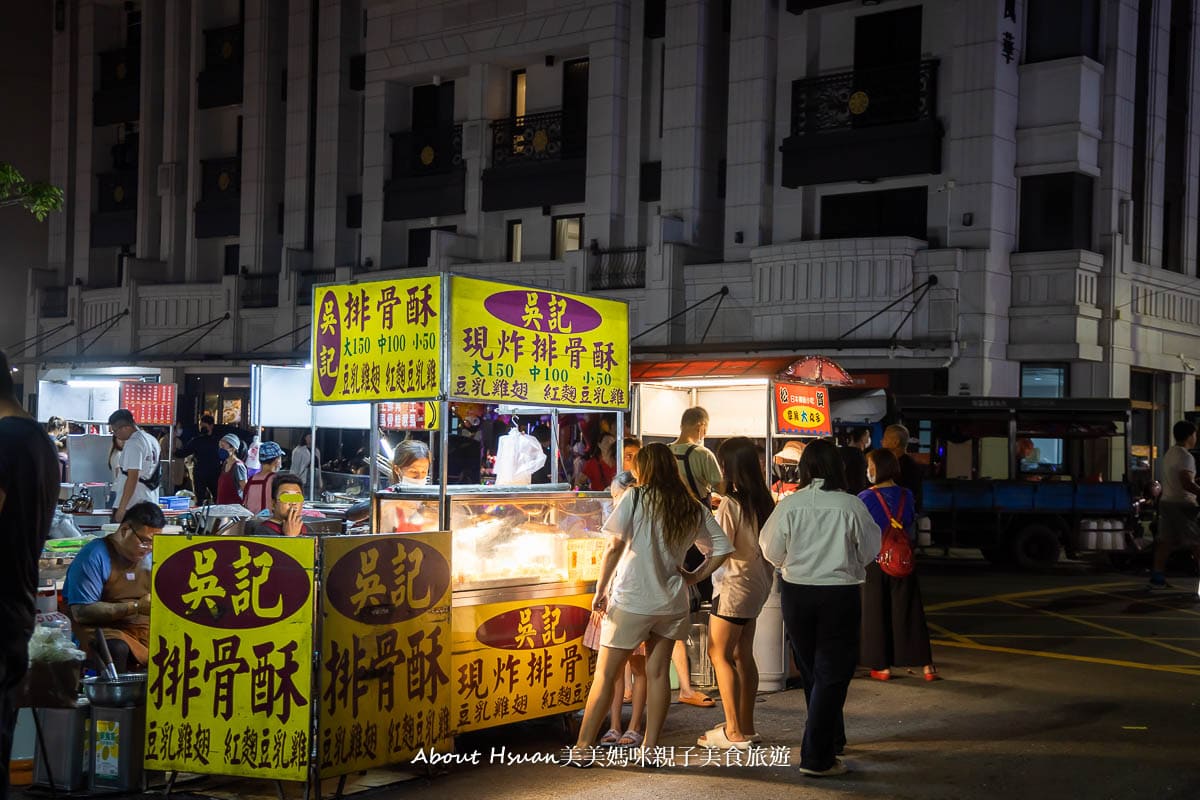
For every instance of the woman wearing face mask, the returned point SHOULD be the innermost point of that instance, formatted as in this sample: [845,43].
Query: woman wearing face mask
[894,632]
[231,485]
[410,468]
[410,463]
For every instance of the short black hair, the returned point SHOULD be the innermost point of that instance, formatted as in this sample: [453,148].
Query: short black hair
[887,466]
[1183,430]
[122,416]
[282,479]
[146,515]
[821,459]
[7,388]
[857,434]
[207,419]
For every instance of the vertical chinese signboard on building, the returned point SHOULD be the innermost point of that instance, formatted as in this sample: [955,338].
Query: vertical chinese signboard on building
[802,410]
[513,344]
[377,341]
[520,660]
[231,644]
[385,650]
[151,403]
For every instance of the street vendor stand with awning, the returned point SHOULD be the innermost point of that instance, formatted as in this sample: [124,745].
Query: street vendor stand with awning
[309,658]
[792,404]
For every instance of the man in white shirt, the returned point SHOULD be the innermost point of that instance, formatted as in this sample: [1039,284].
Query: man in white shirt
[139,463]
[302,459]
[1177,525]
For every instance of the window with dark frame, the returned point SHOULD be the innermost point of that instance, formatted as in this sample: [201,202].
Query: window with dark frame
[515,233]
[566,235]
[1057,29]
[1049,381]
[517,93]
[1056,212]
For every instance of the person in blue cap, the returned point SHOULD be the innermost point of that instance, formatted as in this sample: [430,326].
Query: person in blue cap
[257,497]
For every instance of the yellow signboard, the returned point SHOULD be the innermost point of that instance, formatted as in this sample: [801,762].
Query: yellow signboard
[377,341]
[513,344]
[385,650]
[520,660]
[231,645]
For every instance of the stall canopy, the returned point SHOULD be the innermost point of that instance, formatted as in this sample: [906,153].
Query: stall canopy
[868,408]
[665,371]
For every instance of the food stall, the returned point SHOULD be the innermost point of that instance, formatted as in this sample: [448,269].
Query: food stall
[792,405]
[315,657]
[524,558]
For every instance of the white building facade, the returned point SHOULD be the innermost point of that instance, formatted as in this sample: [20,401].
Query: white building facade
[983,197]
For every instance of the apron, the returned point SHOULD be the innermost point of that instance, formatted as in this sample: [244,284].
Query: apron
[124,585]
[227,491]
[258,492]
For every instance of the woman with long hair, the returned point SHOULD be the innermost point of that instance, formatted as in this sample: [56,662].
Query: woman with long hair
[651,529]
[822,539]
[894,632]
[740,589]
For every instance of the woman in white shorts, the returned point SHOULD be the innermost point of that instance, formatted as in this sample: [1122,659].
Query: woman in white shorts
[652,528]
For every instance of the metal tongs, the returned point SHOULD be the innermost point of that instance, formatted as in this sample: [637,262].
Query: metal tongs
[110,669]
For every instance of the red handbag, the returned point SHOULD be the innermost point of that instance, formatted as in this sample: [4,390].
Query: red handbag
[895,552]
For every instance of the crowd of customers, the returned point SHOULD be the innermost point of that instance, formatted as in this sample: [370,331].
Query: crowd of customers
[840,541]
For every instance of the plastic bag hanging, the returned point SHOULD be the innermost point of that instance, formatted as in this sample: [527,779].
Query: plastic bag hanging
[518,456]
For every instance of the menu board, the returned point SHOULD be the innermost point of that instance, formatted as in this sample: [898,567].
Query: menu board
[802,410]
[515,344]
[150,403]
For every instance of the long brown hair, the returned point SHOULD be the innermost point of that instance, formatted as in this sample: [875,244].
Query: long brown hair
[744,478]
[672,508]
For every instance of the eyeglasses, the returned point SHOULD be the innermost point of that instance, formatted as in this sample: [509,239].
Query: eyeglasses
[145,540]
[291,497]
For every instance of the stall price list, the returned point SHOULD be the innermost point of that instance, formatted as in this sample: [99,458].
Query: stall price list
[150,403]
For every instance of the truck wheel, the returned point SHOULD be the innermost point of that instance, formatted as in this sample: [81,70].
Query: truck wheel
[1036,547]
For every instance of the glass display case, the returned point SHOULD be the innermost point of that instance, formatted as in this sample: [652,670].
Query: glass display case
[507,538]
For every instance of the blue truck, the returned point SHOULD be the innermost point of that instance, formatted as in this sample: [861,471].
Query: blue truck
[1026,479]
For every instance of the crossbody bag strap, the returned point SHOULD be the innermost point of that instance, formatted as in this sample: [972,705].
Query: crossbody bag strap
[687,468]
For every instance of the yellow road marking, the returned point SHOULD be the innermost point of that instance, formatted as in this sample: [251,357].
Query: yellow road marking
[1071,636]
[1149,602]
[999,598]
[1135,728]
[1106,628]
[1005,614]
[946,632]
[988,648]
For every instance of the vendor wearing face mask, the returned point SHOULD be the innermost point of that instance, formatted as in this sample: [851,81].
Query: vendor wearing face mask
[231,485]
[287,507]
[108,586]
[410,463]
[410,468]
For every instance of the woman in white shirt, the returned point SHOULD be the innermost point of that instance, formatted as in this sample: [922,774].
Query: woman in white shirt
[740,589]
[652,528]
[822,539]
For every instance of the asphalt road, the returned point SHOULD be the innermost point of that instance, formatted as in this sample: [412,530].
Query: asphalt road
[1076,684]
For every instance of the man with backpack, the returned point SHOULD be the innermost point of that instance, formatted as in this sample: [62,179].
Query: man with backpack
[139,464]
[701,473]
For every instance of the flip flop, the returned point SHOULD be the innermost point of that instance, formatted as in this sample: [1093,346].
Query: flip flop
[754,738]
[700,701]
[611,738]
[630,739]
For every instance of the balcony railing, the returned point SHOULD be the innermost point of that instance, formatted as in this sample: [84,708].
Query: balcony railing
[617,269]
[865,98]
[260,290]
[546,136]
[54,302]
[428,151]
[306,279]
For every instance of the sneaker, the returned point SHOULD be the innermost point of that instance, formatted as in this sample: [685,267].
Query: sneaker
[839,768]
[1158,587]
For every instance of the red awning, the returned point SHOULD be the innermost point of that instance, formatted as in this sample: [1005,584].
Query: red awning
[650,371]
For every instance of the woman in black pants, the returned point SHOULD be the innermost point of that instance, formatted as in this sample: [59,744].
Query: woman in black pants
[822,539]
